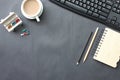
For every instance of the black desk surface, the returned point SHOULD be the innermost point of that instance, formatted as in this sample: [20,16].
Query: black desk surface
[52,49]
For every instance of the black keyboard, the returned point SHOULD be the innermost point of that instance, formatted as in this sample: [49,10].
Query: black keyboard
[104,11]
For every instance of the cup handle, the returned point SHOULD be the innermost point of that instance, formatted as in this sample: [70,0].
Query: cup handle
[38,19]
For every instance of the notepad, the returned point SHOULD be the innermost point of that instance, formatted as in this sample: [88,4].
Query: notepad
[108,49]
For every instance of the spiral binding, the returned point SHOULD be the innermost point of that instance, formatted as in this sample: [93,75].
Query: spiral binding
[101,40]
[97,41]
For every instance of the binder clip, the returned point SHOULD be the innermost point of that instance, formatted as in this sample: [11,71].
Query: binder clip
[24,32]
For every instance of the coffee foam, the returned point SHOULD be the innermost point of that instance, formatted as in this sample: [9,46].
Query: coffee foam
[31,7]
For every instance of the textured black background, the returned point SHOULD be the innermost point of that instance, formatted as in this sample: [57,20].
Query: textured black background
[52,49]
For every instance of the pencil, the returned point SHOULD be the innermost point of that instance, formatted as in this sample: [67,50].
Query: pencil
[85,48]
[91,43]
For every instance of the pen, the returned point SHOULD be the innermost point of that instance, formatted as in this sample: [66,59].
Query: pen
[85,48]
[91,43]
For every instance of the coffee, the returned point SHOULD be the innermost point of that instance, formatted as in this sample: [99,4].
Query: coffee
[31,7]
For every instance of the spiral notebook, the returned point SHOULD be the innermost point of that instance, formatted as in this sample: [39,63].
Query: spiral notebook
[108,50]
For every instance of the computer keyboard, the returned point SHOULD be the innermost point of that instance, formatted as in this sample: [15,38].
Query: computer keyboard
[104,11]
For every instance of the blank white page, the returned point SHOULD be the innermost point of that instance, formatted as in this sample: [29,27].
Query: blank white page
[108,52]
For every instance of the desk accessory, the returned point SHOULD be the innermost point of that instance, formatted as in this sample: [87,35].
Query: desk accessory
[84,48]
[24,32]
[108,50]
[103,11]
[11,21]
[91,43]
[32,9]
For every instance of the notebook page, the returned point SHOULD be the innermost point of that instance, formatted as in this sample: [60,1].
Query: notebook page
[109,51]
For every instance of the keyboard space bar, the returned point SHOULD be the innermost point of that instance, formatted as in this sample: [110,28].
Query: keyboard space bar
[81,9]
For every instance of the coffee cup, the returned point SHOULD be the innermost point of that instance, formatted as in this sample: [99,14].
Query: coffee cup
[32,9]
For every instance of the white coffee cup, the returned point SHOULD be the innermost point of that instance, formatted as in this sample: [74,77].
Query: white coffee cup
[32,9]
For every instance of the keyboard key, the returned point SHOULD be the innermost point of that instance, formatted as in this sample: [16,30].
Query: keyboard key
[91,4]
[88,2]
[116,5]
[90,12]
[73,1]
[100,3]
[96,10]
[103,0]
[88,7]
[84,1]
[95,5]
[109,2]
[105,10]
[114,9]
[103,4]
[108,7]
[80,4]
[92,0]
[95,14]
[108,20]
[84,5]
[62,1]
[116,24]
[96,1]
[77,2]
[99,7]
[114,18]
[58,0]
[102,17]
[92,8]
[76,7]
[119,6]
[118,11]
[118,1]
[113,22]
[102,13]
